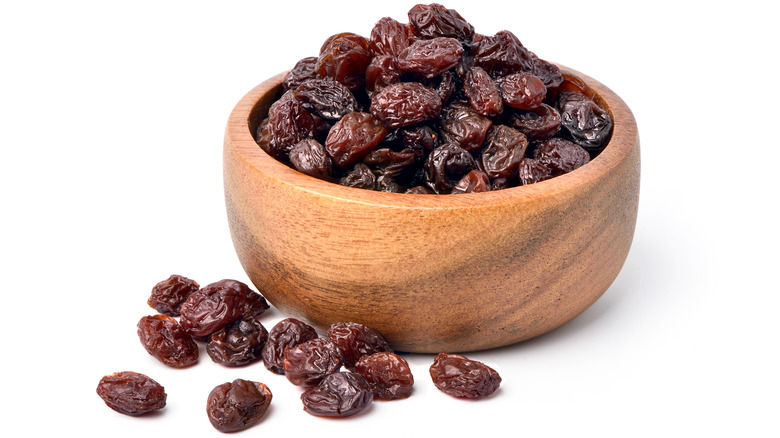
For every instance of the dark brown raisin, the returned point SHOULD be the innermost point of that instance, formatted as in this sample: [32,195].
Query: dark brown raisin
[499,184]
[430,58]
[532,171]
[583,121]
[353,137]
[483,93]
[561,156]
[238,343]
[131,393]
[355,340]
[462,125]
[387,184]
[340,394]
[473,182]
[388,37]
[434,20]
[447,86]
[287,333]
[167,341]
[420,138]
[237,405]
[522,90]
[446,165]
[459,376]
[537,124]
[502,54]
[344,58]
[359,177]
[168,295]
[389,163]
[217,305]
[404,104]
[302,71]
[504,149]
[548,72]
[387,373]
[288,123]
[381,72]
[308,363]
[310,157]
[326,98]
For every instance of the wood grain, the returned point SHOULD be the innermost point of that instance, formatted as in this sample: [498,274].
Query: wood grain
[432,272]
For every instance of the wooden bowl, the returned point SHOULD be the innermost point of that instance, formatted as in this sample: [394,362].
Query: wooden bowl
[432,273]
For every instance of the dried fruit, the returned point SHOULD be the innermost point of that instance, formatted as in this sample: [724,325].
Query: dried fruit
[462,125]
[219,304]
[522,90]
[446,165]
[340,394]
[405,103]
[167,341]
[583,121]
[344,58]
[430,58]
[353,137]
[502,54]
[302,71]
[483,93]
[325,98]
[504,149]
[287,333]
[561,156]
[532,171]
[168,295]
[308,363]
[434,20]
[237,405]
[238,343]
[387,373]
[538,124]
[459,376]
[310,157]
[355,340]
[388,37]
[131,393]
[473,182]
[359,177]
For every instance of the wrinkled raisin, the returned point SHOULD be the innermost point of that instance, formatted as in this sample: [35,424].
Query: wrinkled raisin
[219,304]
[340,394]
[308,363]
[462,125]
[168,295]
[561,156]
[434,20]
[310,157]
[459,376]
[522,90]
[406,103]
[381,72]
[446,165]
[353,137]
[287,333]
[237,405]
[167,341]
[359,177]
[502,54]
[537,124]
[326,98]
[504,149]
[388,162]
[583,121]
[288,123]
[473,182]
[238,343]
[303,70]
[131,393]
[483,93]
[387,373]
[532,171]
[430,58]
[355,340]
[344,58]
[388,37]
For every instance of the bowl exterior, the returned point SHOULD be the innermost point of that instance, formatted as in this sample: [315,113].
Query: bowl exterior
[463,274]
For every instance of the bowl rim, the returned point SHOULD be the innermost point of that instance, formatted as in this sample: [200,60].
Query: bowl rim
[240,139]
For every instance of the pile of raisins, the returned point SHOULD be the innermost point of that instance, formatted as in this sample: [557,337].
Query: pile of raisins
[340,373]
[431,106]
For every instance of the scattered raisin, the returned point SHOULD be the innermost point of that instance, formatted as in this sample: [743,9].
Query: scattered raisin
[308,363]
[239,343]
[219,304]
[459,376]
[387,373]
[167,341]
[340,394]
[287,333]
[237,405]
[355,340]
[168,295]
[131,393]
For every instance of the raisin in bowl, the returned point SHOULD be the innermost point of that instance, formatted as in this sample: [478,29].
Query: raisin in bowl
[432,272]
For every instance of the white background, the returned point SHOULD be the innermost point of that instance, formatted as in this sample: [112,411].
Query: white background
[111,124]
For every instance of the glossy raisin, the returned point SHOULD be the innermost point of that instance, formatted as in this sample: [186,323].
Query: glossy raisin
[446,165]
[310,157]
[288,123]
[217,305]
[522,90]
[473,182]
[447,86]
[237,405]
[430,58]
[561,156]
[404,104]
[388,37]
[537,124]
[287,333]
[344,58]
[548,72]
[583,121]
[381,72]
[462,125]
[483,93]
[168,295]
[359,177]
[239,343]
[532,171]
[303,70]
[435,20]
[326,98]
[355,340]
[389,163]
[340,394]
[131,393]
[459,376]
[166,340]
[387,373]
[502,54]
[308,363]
[353,137]
[504,149]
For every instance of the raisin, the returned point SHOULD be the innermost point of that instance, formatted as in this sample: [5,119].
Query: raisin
[353,137]
[344,58]
[238,343]
[502,54]
[389,163]
[504,149]
[537,124]
[522,90]
[548,72]
[355,340]
[167,341]
[430,58]
[286,333]
[561,156]
[583,121]
[388,375]
[532,171]
[303,70]
[310,157]
[462,125]
[434,20]
[168,295]
[326,98]
[446,165]
[447,86]
[381,72]
[499,183]
[420,138]
[359,177]
[388,37]
[459,376]
[340,394]
[288,123]
[237,405]
[219,304]
[131,393]
[308,363]
[483,93]
[404,104]
[473,182]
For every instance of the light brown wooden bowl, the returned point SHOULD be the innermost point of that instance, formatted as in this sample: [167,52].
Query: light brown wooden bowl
[432,273]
